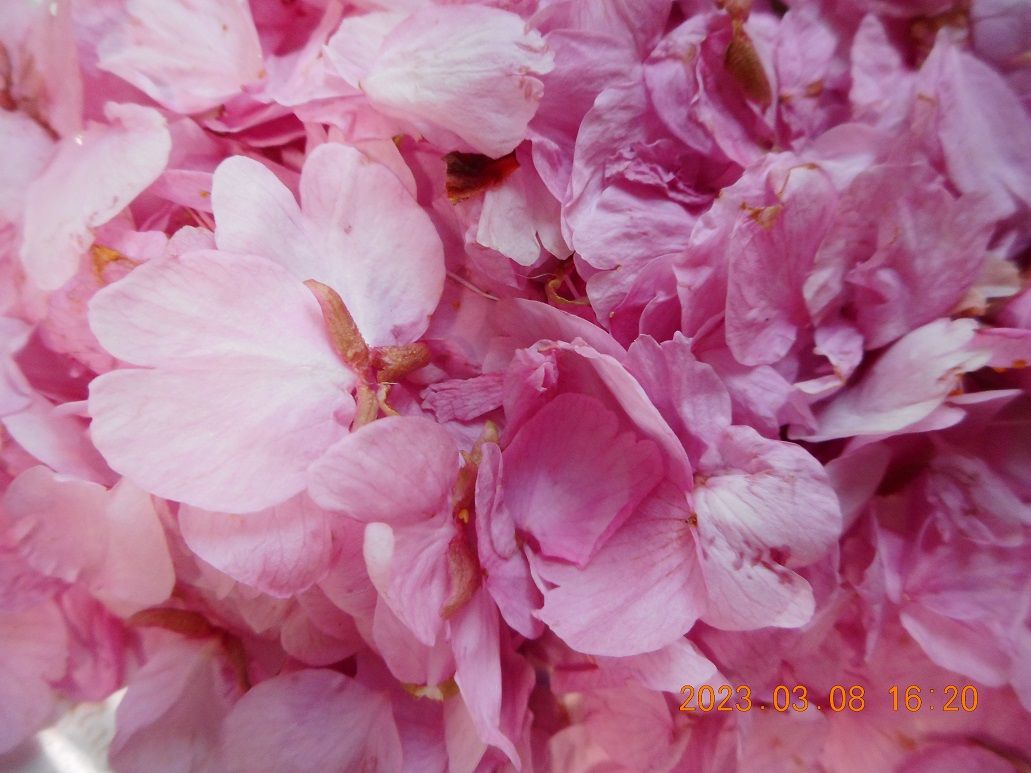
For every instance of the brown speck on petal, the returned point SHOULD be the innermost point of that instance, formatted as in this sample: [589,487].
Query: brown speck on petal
[103,257]
[465,576]
[743,63]
[469,174]
[189,624]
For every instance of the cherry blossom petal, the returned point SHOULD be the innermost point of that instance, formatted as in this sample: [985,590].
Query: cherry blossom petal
[311,720]
[281,550]
[357,229]
[237,437]
[461,70]
[174,709]
[571,477]
[397,470]
[93,176]
[184,56]
[640,592]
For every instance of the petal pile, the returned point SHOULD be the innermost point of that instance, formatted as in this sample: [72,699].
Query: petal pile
[560,385]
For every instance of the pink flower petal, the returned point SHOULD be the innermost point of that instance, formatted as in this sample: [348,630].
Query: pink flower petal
[237,436]
[311,720]
[186,57]
[461,70]
[358,230]
[93,176]
[641,591]
[571,477]
[174,709]
[397,470]
[281,550]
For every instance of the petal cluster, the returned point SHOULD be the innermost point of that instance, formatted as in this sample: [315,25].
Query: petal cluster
[419,385]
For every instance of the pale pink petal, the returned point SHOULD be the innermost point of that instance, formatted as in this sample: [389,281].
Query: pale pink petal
[985,131]
[33,651]
[408,659]
[238,440]
[770,256]
[665,670]
[317,633]
[409,568]
[93,176]
[691,396]
[59,439]
[137,569]
[909,381]
[479,673]
[766,505]
[281,550]
[361,233]
[769,494]
[635,727]
[464,399]
[21,166]
[58,523]
[751,594]
[170,717]
[311,720]
[571,477]
[519,217]
[506,571]
[111,542]
[640,592]
[461,70]
[187,56]
[881,85]
[208,304]
[397,470]
[248,391]
[15,390]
